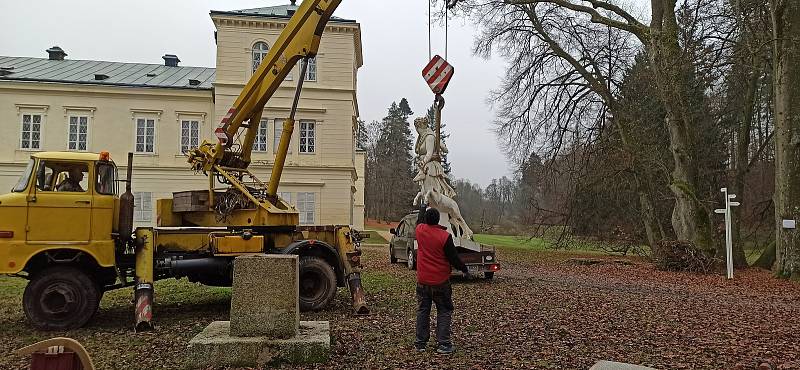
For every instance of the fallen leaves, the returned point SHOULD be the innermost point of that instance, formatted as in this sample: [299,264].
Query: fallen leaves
[539,312]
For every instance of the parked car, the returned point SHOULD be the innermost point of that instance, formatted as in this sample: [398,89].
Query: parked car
[479,258]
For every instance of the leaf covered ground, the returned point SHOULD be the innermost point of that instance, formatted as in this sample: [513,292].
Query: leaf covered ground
[540,312]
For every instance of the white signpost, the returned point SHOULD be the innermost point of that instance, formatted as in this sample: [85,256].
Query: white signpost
[728,225]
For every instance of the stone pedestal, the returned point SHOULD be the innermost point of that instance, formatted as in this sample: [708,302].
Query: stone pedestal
[264,300]
[265,326]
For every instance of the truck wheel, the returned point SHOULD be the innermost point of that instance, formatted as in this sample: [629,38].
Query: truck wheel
[317,283]
[392,258]
[489,275]
[60,298]
[411,260]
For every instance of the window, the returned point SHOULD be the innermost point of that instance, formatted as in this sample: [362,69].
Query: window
[311,70]
[285,195]
[78,133]
[306,204]
[145,135]
[190,135]
[142,207]
[260,50]
[106,174]
[31,132]
[22,184]
[260,144]
[62,177]
[307,143]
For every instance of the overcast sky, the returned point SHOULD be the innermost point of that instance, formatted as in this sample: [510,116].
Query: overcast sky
[395,47]
[395,50]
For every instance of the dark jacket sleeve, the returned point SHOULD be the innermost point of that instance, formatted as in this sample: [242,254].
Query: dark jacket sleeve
[452,255]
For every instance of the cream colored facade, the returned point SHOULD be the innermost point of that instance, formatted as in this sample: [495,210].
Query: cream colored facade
[325,182]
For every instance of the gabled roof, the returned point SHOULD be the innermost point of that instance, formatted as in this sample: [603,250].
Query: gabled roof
[280,11]
[105,73]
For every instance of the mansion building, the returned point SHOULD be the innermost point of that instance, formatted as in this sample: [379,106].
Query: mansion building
[158,111]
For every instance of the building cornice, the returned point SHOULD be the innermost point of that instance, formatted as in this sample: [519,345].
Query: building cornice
[61,87]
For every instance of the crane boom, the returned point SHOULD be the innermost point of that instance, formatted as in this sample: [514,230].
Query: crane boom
[298,41]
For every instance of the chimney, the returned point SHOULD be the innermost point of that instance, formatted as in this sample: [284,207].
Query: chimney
[171,60]
[56,53]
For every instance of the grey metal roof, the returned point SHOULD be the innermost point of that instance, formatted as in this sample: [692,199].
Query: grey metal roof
[119,74]
[280,11]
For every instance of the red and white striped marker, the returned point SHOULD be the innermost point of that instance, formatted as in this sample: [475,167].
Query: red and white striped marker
[438,74]
[222,136]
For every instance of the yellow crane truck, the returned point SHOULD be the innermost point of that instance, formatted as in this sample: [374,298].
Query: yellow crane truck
[66,228]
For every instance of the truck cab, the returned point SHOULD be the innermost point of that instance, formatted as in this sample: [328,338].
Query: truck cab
[56,229]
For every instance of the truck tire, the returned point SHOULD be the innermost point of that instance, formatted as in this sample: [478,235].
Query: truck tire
[489,275]
[60,298]
[317,283]
[392,258]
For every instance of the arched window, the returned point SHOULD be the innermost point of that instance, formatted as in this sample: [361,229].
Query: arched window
[260,50]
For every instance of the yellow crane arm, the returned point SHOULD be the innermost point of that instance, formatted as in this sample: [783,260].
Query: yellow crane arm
[298,41]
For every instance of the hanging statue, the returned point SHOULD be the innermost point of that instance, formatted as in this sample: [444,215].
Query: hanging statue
[435,190]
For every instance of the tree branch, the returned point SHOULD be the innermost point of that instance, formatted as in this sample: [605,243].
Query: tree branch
[631,25]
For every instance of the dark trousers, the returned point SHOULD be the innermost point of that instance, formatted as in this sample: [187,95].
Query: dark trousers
[442,296]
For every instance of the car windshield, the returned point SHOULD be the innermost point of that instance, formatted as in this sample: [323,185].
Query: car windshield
[22,184]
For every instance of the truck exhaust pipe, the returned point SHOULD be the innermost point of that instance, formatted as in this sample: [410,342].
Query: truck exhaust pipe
[126,206]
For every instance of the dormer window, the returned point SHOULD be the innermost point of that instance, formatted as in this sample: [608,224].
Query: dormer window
[260,50]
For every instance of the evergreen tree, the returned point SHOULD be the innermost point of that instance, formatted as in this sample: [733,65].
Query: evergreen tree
[393,167]
[362,137]
[432,124]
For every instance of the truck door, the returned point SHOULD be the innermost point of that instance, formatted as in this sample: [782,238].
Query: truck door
[60,205]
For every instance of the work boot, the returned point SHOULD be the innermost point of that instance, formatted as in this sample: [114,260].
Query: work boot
[419,348]
[445,349]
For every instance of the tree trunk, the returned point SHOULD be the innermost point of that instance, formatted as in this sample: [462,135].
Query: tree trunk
[742,159]
[690,219]
[786,29]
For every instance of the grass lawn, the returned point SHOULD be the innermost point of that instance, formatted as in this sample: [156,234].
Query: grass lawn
[374,238]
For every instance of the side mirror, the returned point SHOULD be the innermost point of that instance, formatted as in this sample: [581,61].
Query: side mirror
[392,231]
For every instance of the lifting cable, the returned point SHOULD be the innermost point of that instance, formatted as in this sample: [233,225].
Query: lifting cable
[446,28]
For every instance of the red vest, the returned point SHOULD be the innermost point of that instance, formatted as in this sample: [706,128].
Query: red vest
[433,268]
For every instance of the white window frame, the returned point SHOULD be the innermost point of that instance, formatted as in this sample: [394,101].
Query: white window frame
[304,135]
[287,196]
[261,141]
[190,121]
[261,53]
[77,116]
[307,203]
[142,212]
[155,116]
[42,119]
[312,68]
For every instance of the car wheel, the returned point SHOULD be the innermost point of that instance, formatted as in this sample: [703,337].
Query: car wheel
[392,258]
[317,283]
[60,298]
[489,275]
[411,260]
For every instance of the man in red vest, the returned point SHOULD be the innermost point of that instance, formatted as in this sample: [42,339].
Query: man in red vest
[435,254]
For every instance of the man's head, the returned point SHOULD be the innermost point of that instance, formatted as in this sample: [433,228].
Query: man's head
[432,216]
[76,174]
